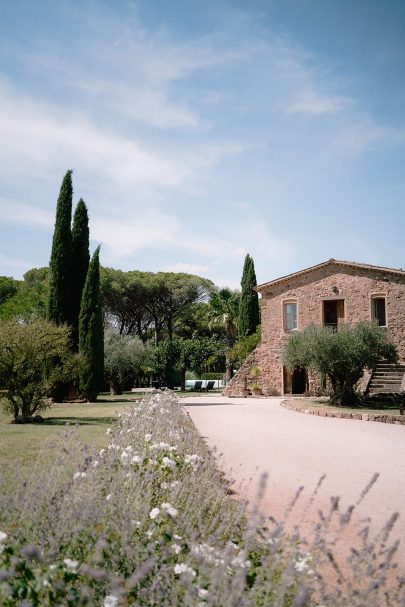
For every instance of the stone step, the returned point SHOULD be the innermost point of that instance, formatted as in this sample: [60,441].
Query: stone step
[383,391]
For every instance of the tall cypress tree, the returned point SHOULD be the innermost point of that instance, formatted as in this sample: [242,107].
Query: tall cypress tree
[59,308]
[91,333]
[80,264]
[249,312]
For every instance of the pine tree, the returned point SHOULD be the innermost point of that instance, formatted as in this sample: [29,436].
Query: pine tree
[91,333]
[59,308]
[80,264]
[249,312]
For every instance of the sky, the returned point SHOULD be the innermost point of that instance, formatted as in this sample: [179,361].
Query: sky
[201,131]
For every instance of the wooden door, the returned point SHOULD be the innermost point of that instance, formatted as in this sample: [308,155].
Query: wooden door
[340,311]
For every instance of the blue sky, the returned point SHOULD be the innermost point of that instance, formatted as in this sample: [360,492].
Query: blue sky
[199,131]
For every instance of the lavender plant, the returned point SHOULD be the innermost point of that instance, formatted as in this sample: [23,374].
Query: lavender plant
[150,521]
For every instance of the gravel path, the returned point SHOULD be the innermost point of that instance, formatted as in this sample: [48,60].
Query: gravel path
[258,435]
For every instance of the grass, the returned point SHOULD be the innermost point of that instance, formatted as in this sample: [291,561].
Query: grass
[323,403]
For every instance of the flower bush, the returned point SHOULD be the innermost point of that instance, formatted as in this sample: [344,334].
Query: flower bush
[150,521]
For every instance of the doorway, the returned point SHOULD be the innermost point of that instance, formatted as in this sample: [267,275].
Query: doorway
[333,313]
[295,382]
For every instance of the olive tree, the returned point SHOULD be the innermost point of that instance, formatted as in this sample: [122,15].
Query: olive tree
[342,355]
[32,357]
[124,359]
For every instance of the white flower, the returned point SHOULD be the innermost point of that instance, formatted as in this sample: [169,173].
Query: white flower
[168,508]
[154,513]
[136,524]
[111,601]
[164,485]
[108,497]
[302,564]
[108,431]
[202,592]
[148,437]
[71,565]
[176,548]
[149,533]
[177,537]
[182,568]
[101,451]
[239,562]
[78,475]
[95,463]
[168,463]
[3,537]
[136,459]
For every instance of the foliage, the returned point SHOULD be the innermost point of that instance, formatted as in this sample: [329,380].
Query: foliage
[249,311]
[182,355]
[124,358]
[91,332]
[147,304]
[30,298]
[224,312]
[26,353]
[80,265]
[8,288]
[341,355]
[244,347]
[59,307]
[148,520]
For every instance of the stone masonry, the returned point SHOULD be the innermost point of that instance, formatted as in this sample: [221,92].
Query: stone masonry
[356,285]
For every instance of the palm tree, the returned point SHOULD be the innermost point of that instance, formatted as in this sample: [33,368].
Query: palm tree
[224,311]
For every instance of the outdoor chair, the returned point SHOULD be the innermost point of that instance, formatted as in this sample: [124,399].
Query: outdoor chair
[210,385]
[197,386]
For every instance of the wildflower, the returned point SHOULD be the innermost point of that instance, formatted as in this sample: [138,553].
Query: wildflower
[108,497]
[168,508]
[71,565]
[111,601]
[149,533]
[136,459]
[95,463]
[101,451]
[168,463]
[3,537]
[78,475]
[154,513]
[176,548]
[136,524]
[202,592]
[239,562]
[302,564]
[148,437]
[108,431]
[182,568]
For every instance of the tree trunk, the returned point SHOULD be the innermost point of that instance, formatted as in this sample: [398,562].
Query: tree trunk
[343,394]
[115,388]
[229,370]
[183,380]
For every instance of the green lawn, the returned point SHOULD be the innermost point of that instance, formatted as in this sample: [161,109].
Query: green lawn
[23,447]
[323,403]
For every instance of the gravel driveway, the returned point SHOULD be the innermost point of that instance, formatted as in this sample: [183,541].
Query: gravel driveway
[258,435]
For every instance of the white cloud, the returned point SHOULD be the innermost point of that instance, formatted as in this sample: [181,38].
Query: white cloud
[15,213]
[189,268]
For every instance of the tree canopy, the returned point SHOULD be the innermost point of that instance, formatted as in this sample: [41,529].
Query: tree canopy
[342,355]
[32,355]
[249,311]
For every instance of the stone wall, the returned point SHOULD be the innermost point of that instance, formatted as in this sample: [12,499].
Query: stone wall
[356,286]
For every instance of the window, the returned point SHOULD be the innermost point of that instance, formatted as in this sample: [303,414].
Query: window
[290,316]
[378,311]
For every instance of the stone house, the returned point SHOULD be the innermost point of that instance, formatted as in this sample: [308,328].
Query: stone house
[328,294]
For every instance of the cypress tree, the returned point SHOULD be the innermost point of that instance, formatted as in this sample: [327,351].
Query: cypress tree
[249,312]
[80,264]
[59,308]
[91,333]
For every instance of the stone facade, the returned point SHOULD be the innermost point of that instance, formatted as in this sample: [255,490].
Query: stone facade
[339,291]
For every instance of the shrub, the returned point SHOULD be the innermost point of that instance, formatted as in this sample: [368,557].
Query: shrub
[32,357]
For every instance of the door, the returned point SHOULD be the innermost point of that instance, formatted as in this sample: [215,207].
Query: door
[334,313]
[296,382]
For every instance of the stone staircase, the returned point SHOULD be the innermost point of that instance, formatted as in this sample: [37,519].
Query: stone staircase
[386,379]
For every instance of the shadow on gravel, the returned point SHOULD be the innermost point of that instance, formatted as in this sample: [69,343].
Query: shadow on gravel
[197,404]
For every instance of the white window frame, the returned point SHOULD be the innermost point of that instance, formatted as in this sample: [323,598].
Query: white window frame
[286,303]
